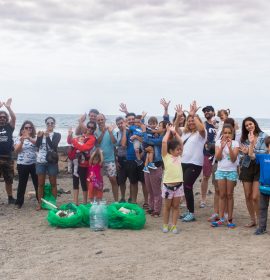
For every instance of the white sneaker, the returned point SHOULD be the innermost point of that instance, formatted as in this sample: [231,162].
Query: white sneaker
[165,229]
[174,229]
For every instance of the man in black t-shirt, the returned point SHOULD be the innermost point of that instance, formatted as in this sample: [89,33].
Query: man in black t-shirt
[6,147]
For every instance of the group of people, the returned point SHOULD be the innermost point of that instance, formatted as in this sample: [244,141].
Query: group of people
[165,156]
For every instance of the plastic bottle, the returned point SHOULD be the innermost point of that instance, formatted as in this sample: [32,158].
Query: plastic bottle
[98,216]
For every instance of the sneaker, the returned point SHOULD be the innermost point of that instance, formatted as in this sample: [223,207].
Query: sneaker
[174,229]
[139,162]
[182,216]
[213,218]
[151,165]
[189,218]
[122,200]
[11,200]
[146,170]
[218,223]
[165,229]
[260,231]
[129,200]
[202,204]
[231,225]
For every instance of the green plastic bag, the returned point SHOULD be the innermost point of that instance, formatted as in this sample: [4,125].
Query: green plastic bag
[48,196]
[75,220]
[85,209]
[118,220]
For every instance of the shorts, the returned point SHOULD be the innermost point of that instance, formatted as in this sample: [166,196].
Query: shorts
[226,175]
[171,193]
[94,192]
[207,166]
[134,172]
[47,168]
[251,173]
[109,168]
[7,170]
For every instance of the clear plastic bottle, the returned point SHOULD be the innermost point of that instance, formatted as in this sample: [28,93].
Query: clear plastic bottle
[98,216]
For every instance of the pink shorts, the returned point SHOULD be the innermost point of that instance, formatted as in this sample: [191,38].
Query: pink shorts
[171,193]
[207,166]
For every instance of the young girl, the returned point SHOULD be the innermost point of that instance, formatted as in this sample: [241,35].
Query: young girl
[226,152]
[95,180]
[172,189]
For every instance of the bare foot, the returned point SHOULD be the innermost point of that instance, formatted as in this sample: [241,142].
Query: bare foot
[250,224]
[38,208]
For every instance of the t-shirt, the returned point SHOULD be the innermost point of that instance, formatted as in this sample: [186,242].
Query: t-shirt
[121,151]
[193,148]
[211,134]
[41,154]
[106,145]
[225,164]
[264,161]
[173,172]
[27,155]
[6,140]
[94,176]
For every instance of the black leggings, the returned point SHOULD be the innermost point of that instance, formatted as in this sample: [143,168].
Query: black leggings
[82,172]
[23,172]
[190,174]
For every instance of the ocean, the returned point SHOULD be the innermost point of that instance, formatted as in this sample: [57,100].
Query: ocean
[65,121]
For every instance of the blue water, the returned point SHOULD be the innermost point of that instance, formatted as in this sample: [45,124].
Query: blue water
[65,121]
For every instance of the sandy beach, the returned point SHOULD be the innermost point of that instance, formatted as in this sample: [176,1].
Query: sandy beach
[31,249]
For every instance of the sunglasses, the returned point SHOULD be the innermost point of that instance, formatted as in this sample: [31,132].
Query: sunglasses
[90,127]
[3,117]
[28,127]
[49,123]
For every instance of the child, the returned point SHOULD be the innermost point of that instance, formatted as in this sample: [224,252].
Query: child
[73,154]
[226,153]
[264,161]
[95,180]
[172,189]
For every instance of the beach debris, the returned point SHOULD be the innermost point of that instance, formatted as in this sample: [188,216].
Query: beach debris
[126,211]
[99,252]
[65,213]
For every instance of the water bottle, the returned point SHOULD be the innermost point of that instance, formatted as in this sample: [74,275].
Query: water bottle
[98,216]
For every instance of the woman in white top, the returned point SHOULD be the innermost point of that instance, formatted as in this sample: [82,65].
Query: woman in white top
[25,147]
[194,136]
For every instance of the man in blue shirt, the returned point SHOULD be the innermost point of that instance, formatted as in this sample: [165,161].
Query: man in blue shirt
[264,161]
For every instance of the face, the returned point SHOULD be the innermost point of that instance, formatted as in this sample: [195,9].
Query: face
[90,128]
[130,120]
[176,152]
[3,119]
[137,121]
[182,121]
[223,116]
[100,121]
[152,125]
[190,123]
[27,128]
[50,124]
[227,133]
[92,117]
[250,126]
[120,124]
[208,114]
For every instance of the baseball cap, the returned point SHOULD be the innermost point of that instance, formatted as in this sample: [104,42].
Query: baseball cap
[208,108]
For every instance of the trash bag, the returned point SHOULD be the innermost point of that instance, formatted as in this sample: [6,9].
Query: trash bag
[76,220]
[85,209]
[135,219]
[48,196]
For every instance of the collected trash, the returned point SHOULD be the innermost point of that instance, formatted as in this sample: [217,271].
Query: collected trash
[98,216]
[126,211]
[48,196]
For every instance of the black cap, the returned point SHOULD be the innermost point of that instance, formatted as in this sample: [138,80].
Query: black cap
[208,108]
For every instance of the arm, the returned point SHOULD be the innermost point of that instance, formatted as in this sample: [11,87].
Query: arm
[199,126]
[39,138]
[110,130]
[124,137]
[233,152]
[165,105]
[123,108]
[219,149]
[179,110]
[164,148]
[12,121]
[53,144]
[251,147]
[99,139]
[90,143]
[81,128]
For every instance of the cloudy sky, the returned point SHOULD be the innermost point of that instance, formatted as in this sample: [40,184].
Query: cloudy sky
[68,56]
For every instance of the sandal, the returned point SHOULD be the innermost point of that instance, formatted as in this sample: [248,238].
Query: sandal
[250,224]
[145,206]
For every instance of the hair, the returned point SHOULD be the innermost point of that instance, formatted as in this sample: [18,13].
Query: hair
[6,114]
[33,132]
[152,120]
[95,155]
[230,121]
[130,115]
[93,123]
[225,111]
[186,128]
[50,118]
[138,117]
[172,145]
[119,119]
[184,115]
[245,132]
[95,111]
[267,141]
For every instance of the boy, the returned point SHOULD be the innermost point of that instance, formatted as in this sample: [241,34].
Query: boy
[264,161]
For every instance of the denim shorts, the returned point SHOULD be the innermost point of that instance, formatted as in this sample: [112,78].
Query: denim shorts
[226,175]
[47,168]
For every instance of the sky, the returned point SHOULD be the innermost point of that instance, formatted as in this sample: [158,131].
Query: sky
[69,56]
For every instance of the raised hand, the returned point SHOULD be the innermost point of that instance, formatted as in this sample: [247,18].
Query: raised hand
[229,143]
[111,127]
[172,129]
[40,133]
[193,108]
[179,110]
[144,114]
[164,103]
[243,149]
[8,103]
[82,118]
[251,137]
[223,142]
[123,108]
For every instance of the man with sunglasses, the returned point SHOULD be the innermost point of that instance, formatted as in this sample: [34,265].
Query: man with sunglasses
[6,147]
